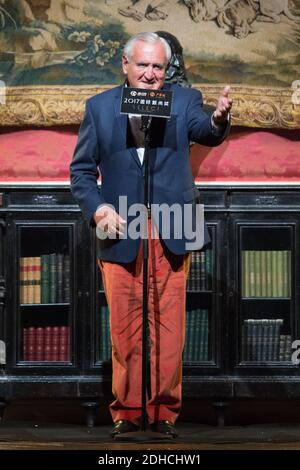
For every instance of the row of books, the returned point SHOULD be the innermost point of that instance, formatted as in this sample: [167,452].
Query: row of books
[262,341]
[50,343]
[266,273]
[45,279]
[200,275]
[196,339]
[196,336]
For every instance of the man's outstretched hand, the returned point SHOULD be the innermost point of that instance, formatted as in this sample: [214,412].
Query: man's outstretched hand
[220,115]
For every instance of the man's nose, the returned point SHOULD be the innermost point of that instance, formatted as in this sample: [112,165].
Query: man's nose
[149,72]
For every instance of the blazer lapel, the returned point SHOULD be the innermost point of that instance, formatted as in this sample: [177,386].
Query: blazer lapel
[122,120]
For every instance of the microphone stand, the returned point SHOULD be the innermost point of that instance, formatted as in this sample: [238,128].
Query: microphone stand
[145,127]
[145,435]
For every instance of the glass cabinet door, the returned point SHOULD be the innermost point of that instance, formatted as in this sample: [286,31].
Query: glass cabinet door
[44,294]
[44,291]
[267,298]
[199,317]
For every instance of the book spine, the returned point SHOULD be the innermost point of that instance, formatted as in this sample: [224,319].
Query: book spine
[64,344]
[269,273]
[280,268]
[37,280]
[30,281]
[252,273]
[55,343]
[53,277]
[40,343]
[274,274]
[60,267]
[208,268]
[22,279]
[202,270]
[257,267]
[48,344]
[45,281]
[263,264]
[67,279]
[31,344]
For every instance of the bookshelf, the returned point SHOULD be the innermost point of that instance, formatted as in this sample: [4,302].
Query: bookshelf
[266,254]
[267,302]
[44,320]
[242,298]
[200,347]
[44,279]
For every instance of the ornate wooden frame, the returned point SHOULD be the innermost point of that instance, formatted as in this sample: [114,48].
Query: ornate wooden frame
[60,105]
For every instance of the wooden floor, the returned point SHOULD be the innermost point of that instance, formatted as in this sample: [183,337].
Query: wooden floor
[89,446]
[52,436]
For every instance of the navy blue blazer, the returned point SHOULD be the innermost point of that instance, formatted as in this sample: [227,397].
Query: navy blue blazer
[104,145]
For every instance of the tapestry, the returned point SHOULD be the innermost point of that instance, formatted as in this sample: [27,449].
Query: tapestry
[56,53]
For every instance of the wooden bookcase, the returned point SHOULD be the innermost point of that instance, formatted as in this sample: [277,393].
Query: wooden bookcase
[242,300]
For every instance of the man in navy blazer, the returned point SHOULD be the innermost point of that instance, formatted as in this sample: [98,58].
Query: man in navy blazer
[110,143]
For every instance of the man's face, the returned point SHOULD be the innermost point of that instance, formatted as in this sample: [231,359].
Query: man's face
[147,66]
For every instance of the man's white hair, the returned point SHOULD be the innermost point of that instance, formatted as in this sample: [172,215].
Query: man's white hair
[150,38]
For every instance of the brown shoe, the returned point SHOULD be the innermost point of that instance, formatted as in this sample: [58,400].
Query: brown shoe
[123,425]
[165,427]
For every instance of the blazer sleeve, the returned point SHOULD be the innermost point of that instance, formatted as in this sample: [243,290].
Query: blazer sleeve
[84,168]
[200,124]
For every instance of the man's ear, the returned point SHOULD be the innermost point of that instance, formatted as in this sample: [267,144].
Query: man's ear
[125,62]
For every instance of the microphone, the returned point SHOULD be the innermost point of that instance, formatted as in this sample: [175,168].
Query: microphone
[145,123]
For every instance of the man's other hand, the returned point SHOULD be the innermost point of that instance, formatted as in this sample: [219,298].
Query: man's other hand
[220,115]
[109,221]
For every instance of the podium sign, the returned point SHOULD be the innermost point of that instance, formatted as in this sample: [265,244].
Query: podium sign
[143,102]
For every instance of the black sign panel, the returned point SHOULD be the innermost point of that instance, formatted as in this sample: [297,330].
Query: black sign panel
[146,102]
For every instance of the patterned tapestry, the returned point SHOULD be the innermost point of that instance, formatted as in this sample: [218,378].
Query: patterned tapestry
[56,53]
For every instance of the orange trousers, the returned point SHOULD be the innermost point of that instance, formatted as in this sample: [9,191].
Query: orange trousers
[123,284]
